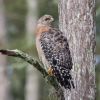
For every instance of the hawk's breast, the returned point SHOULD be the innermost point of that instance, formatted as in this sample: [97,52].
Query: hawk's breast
[40,49]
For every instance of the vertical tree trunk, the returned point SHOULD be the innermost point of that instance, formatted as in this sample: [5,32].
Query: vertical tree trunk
[77,22]
[32,81]
[3,60]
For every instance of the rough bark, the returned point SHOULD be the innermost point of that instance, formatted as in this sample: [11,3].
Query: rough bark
[3,61]
[76,18]
[32,77]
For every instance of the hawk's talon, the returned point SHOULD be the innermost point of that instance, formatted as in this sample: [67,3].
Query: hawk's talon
[50,71]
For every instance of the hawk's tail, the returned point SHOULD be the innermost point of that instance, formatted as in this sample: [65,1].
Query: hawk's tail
[65,79]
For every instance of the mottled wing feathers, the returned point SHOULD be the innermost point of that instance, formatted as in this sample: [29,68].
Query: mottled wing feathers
[57,53]
[56,48]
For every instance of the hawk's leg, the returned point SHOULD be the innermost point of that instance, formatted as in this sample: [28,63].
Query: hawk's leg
[50,71]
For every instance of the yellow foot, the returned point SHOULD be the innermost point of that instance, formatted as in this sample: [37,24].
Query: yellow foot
[50,71]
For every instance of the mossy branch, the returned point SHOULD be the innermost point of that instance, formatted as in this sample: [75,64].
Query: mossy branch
[37,65]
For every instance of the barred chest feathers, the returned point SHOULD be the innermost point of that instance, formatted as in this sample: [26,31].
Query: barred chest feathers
[41,53]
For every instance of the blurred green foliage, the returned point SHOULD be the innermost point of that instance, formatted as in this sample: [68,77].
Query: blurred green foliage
[16,11]
[16,19]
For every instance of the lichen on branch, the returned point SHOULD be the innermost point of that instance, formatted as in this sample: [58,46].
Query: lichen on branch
[37,65]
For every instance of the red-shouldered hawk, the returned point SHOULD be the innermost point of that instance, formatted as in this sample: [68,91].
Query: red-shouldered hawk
[53,51]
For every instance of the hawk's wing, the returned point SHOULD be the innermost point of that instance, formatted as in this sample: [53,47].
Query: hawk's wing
[57,53]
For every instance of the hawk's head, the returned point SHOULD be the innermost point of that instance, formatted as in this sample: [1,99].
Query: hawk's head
[46,20]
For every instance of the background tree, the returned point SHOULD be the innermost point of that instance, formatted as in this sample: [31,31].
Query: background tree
[32,75]
[78,23]
[4,84]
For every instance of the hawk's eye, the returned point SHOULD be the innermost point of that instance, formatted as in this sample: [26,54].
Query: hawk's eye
[47,19]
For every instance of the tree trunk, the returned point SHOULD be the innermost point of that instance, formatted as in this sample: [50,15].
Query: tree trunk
[32,81]
[76,18]
[3,61]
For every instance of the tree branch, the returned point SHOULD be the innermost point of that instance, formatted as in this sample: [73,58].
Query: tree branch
[37,65]
[25,57]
